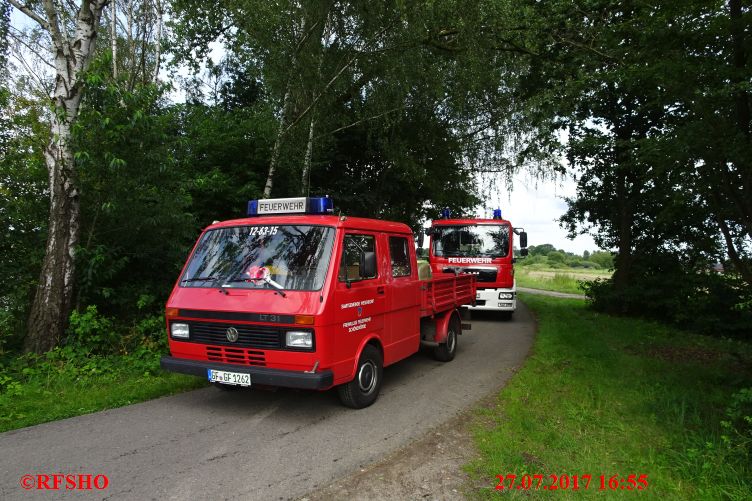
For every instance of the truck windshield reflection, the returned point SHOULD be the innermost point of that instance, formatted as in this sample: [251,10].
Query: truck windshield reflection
[296,257]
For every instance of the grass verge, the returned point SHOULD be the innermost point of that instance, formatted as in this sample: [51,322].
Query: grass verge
[58,386]
[602,395]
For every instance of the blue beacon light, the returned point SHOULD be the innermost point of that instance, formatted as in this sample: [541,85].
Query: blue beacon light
[497,214]
[298,205]
[446,213]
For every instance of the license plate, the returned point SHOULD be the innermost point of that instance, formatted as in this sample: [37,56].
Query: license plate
[224,377]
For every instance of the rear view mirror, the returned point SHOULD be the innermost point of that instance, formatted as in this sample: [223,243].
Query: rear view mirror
[367,264]
[420,239]
[523,240]
[523,252]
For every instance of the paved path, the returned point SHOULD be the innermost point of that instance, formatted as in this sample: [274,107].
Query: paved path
[551,293]
[208,444]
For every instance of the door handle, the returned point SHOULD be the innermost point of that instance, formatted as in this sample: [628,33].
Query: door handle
[380,289]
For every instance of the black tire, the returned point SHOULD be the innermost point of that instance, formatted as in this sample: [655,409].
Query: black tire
[363,390]
[446,351]
[506,315]
[226,387]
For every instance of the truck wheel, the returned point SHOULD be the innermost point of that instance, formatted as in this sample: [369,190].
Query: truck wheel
[446,351]
[363,390]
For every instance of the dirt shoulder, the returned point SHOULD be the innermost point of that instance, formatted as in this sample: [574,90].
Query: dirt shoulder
[429,468]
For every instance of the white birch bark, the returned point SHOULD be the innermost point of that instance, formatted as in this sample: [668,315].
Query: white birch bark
[71,54]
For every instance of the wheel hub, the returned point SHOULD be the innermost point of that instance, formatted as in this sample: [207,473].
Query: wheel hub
[367,377]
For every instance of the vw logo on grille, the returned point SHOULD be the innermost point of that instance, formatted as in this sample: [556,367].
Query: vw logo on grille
[232,334]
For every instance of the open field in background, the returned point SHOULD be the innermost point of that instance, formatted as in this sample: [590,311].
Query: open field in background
[602,395]
[556,279]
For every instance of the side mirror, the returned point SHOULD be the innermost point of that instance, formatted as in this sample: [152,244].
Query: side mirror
[523,252]
[428,231]
[523,241]
[367,264]
[420,240]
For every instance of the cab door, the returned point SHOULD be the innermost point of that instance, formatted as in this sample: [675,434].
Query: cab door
[359,298]
[402,317]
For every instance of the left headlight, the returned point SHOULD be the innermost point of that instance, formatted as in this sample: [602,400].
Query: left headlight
[506,295]
[180,331]
[299,339]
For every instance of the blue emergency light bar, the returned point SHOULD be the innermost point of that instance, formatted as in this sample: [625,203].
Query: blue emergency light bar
[497,214]
[446,213]
[297,205]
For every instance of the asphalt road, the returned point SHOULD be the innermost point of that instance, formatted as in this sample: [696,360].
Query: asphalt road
[208,444]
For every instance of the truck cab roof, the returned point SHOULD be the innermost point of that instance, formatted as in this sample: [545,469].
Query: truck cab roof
[346,222]
[467,221]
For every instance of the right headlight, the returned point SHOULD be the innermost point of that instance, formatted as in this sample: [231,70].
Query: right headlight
[180,331]
[299,339]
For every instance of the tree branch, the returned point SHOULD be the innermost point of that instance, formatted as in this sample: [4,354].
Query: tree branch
[34,51]
[357,122]
[31,14]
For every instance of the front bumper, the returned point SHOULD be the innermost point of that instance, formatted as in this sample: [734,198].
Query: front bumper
[321,380]
[488,299]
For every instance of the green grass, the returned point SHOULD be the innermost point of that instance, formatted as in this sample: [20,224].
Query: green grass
[67,388]
[558,281]
[616,396]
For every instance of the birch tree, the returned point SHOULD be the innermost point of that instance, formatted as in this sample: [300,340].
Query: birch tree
[73,33]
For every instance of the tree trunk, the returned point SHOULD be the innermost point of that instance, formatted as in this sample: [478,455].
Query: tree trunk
[623,260]
[158,40]
[305,181]
[53,298]
[113,35]
[277,144]
[52,302]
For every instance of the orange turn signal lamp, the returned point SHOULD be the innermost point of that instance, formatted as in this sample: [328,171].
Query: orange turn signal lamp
[304,319]
[172,312]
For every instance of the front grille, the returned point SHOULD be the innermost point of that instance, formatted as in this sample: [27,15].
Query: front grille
[235,355]
[482,274]
[249,336]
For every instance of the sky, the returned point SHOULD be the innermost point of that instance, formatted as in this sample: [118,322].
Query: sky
[536,206]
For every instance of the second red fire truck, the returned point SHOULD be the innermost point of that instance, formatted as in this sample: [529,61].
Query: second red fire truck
[483,247]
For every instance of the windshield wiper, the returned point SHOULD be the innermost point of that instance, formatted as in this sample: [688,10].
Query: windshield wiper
[266,279]
[198,279]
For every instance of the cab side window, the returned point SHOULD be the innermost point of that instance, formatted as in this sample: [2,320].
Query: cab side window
[400,255]
[356,250]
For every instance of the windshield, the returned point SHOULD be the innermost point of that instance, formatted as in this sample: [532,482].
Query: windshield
[475,240]
[292,256]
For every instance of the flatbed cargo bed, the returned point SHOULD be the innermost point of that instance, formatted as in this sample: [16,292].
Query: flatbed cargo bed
[439,294]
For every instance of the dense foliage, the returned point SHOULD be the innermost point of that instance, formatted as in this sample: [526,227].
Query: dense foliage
[395,109]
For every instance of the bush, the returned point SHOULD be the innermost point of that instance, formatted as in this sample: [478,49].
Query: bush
[90,332]
[556,257]
[706,303]
[737,426]
[603,259]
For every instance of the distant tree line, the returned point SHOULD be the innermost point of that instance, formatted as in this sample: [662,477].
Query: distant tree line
[549,256]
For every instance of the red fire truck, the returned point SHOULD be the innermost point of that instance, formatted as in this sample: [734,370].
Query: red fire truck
[293,296]
[483,247]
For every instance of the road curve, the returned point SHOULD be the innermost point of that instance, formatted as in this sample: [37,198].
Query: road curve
[208,444]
